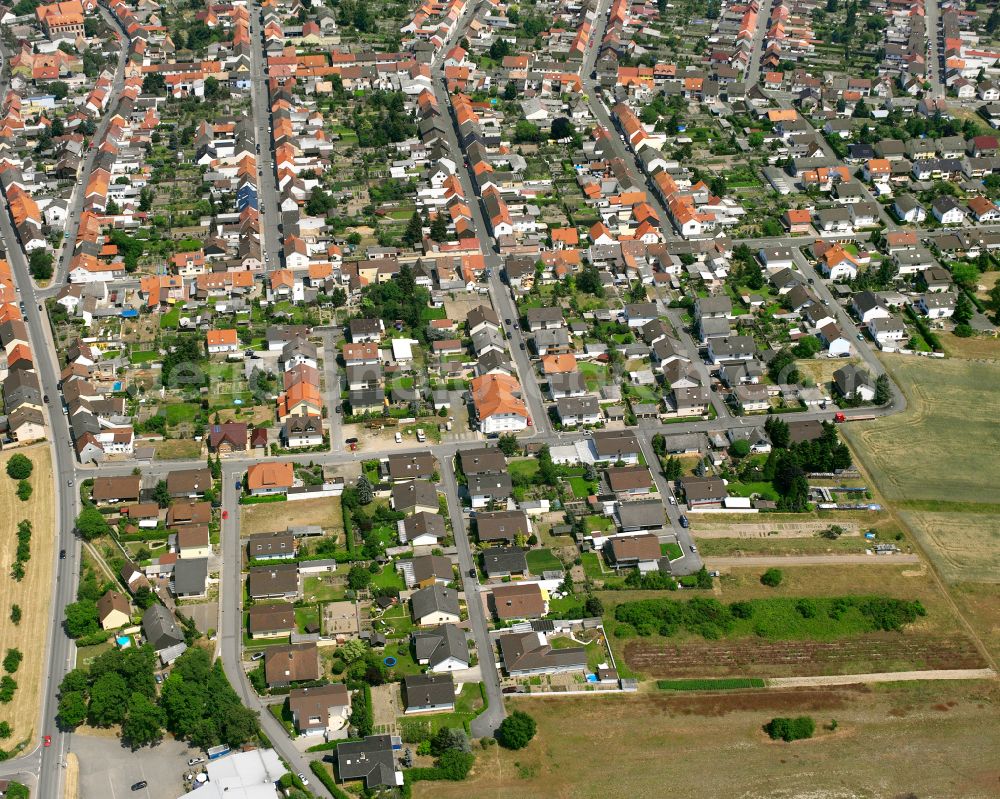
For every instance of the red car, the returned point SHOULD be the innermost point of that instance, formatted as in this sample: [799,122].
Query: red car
[46,740]
[225,514]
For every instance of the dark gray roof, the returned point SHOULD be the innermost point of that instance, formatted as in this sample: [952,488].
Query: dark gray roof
[434,598]
[439,644]
[160,628]
[190,575]
[429,690]
[371,760]
[501,561]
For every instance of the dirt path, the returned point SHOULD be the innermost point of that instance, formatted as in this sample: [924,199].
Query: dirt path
[780,530]
[72,786]
[882,676]
[752,561]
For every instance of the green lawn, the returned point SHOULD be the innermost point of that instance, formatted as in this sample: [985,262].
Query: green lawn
[598,523]
[180,412]
[395,622]
[592,565]
[85,654]
[305,616]
[389,577]
[581,488]
[428,314]
[317,588]
[170,319]
[144,356]
[468,705]
[766,490]
[671,550]
[528,469]
[540,560]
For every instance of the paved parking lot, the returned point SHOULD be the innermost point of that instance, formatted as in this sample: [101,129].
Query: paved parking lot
[108,770]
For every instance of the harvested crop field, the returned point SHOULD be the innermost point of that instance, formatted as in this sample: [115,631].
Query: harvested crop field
[943,446]
[272,517]
[890,740]
[32,594]
[754,657]
[963,546]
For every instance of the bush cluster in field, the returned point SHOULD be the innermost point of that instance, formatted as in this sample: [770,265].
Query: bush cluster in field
[775,618]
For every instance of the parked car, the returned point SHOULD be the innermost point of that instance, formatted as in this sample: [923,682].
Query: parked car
[139,785]
[257,656]
[194,761]
[684,521]
[399,437]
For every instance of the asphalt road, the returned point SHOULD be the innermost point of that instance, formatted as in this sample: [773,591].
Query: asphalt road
[230,640]
[267,188]
[80,191]
[487,722]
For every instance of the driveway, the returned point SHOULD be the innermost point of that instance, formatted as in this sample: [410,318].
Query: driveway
[108,770]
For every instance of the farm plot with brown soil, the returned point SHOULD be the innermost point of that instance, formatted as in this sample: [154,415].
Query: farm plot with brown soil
[32,594]
[752,657]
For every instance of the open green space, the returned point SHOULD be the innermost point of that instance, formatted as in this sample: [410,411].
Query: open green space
[540,560]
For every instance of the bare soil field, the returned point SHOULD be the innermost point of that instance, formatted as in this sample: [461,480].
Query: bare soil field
[753,657]
[890,740]
[764,528]
[821,369]
[32,594]
[943,446]
[271,517]
[781,546]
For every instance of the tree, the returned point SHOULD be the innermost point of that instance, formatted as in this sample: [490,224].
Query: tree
[562,128]
[72,710]
[24,490]
[740,448]
[353,650]
[525,131]
[588,280]
[91,524]
[516,731]
[108,700]
[12,660]
[507,444]
[883,391]
[414,232]
[672,469]
[143,726]
[359,577]
[547,471]
[40,264]
[364,488]
[771,578]
[15,614]
[5,730]
[449,738]
[154,83]
[593,606]
[454,764]
[789,729]
[964,309]
[81,618]
[439,228]
[161,494]
[756,140]
[510,91]
[807,347]
[19,467]
[777,430]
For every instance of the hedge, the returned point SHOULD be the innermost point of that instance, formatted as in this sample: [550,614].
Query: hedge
[263,499]
[316,766]
[723,684]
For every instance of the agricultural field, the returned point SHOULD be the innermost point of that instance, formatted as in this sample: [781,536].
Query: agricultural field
[270,517]
[889,740]
[807,647]
[943,446]
[32,594]
[946,496]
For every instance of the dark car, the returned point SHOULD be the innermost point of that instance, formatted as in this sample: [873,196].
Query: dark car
[139,785]
[62,554]
[46,398]
[684,521]
[472,572]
